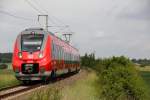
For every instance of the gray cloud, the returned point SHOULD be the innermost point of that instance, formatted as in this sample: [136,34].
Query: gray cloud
[107,27]
[138,12]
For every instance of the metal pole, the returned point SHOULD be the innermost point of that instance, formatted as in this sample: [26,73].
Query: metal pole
[46,24]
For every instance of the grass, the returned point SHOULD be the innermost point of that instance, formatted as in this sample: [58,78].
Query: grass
[146,68]
[7,79]
[146,76]
[145,73]
[83,89]
[46,94]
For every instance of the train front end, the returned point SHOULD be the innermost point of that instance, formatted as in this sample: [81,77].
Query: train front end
[31,56]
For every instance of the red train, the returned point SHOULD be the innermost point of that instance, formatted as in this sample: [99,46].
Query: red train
[40,55]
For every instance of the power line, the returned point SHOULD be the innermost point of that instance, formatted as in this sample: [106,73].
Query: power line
[43,9]
[12,15]
[40,6]
[50,18]
[31,5]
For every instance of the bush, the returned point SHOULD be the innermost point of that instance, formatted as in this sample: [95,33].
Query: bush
[88,60]
[3,66]
[143,65]
[118,80]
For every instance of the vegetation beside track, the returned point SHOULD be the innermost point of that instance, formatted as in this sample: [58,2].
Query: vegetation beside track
[79,87]
[7,79]
[145,73]
[146,76]
[83,89]
[46,94]
[118,79]
[114,78]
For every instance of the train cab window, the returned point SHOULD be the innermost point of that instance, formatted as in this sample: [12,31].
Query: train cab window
[31,42]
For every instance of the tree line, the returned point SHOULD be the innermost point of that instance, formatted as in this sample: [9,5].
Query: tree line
[5,57]
[142,62]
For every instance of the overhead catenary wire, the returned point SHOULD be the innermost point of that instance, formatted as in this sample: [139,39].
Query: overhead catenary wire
[36,2]
[40,12]
[32,6]
[43,10]
[51,17]
[15,16]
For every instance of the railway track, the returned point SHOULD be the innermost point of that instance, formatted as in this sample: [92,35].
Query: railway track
[9,87]
[16,90]
[9,92]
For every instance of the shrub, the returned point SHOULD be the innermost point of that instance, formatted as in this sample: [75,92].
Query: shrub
[3,66]
[118,80]
[143,65]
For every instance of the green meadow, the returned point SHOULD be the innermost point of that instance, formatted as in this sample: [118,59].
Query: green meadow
[7,78]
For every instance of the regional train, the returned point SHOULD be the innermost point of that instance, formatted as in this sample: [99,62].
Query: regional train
[41,55]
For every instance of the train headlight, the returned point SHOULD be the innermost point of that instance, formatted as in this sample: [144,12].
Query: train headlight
[16,70]
[42,69]
[20,55]
[40,55]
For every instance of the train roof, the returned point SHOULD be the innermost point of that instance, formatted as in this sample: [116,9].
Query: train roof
[43,31]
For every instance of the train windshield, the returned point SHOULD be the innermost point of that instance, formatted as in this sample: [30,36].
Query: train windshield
[31,42]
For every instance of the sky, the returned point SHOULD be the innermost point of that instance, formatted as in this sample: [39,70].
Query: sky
[105,27]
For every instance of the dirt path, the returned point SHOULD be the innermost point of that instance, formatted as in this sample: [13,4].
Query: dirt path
[60,84]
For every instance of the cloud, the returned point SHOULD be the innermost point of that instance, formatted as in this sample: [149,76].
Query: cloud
[138,11]
[108,27]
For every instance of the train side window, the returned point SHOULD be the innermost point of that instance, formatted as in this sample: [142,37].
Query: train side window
[70,56]
[53,50]
[62,57]
[74,58]
[62,53]
[67,56]
[57,52]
